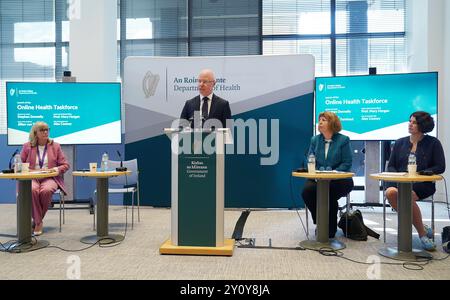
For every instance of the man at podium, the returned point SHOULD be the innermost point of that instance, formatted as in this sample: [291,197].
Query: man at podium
[210,105]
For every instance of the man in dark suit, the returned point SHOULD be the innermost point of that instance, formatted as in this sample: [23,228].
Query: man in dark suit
[210,105]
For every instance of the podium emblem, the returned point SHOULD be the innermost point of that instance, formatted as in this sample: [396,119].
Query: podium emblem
[149,84]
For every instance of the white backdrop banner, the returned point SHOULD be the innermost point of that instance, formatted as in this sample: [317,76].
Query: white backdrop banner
[156,88]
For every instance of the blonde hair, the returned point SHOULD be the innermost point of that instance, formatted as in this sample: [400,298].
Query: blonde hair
[333,121]
[33,133]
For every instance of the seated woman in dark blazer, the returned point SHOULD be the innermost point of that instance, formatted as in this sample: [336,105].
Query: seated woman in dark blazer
[332,151]
[429,156]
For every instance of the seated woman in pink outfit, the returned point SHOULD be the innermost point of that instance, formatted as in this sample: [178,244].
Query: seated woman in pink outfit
[43,154]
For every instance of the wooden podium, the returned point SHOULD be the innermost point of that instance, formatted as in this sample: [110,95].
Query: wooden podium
[197,214]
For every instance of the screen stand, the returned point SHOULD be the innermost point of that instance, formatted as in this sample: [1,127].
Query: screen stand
[371,166]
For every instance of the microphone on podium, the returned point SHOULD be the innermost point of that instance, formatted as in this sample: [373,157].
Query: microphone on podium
[121,168]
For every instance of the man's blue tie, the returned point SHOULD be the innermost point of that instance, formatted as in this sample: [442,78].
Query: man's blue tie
[205,108]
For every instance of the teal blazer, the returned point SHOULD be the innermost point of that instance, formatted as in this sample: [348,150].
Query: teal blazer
[339,156]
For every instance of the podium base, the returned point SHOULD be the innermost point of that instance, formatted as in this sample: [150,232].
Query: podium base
[226,250]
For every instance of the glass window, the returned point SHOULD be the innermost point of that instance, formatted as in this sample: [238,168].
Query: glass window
[388,55]
[28,43]
[299,27]
[153,28]
[296,17]
[370,34]
[141,28]
[319,48]
[34,34]
[43,57]
[367,33]
[225,27]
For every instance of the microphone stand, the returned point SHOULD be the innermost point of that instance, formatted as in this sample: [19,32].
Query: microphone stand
[10,170]
[303,169]
[121,168]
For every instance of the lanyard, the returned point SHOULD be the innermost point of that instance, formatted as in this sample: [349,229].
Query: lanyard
[41,160]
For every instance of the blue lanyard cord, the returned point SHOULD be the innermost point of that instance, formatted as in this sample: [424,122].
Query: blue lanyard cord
[41,160]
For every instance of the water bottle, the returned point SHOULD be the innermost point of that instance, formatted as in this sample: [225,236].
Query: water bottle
[311,163]
[105,158]
[17,163]
[412,164]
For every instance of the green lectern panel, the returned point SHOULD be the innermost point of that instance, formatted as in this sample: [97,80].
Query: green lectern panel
[197,200]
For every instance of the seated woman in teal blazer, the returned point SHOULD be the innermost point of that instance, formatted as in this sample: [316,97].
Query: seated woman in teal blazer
[333,152]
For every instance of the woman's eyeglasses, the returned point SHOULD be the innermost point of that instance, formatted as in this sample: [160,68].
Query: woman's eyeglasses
[44,129]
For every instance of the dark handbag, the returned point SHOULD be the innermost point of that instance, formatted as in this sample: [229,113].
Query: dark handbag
[355,226]
[446,239]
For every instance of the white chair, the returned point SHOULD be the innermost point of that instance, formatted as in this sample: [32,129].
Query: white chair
[125,184]
[431,200]
[61,207]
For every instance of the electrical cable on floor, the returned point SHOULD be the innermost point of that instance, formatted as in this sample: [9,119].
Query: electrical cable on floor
[34,241]
[79,250]
[294,205]
[14,243]
[251,245]
[327,251]
[419,265]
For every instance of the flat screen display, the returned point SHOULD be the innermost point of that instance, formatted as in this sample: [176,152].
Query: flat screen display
[77,113]
[377,107]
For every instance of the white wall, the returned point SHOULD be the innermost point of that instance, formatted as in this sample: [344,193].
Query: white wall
[428,30]
[417,35]
[93,53]
[445,100]
[93,40]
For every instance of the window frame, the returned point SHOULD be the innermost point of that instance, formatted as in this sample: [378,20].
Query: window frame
[333,36]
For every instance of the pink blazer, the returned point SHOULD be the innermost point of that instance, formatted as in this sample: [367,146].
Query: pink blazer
[55,157]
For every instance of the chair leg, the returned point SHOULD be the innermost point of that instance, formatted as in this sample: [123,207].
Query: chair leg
[63,208]
[307,223]
[346,216]
[94,208]
[138,204]
[61,201]
[432,215]
[384,217]
[132,210]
